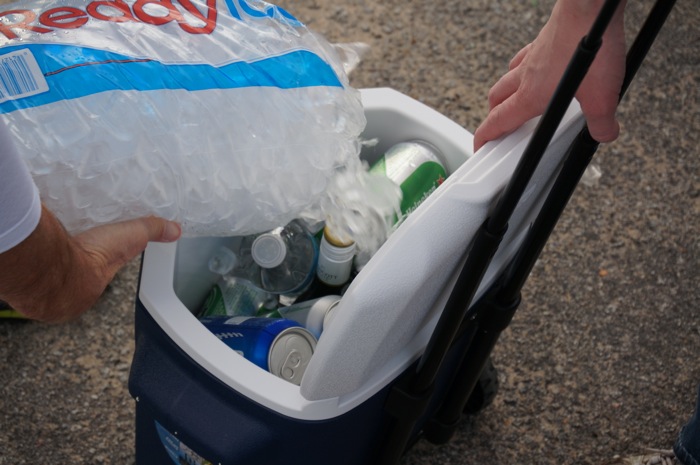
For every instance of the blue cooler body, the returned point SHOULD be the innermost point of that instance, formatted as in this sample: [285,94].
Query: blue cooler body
[181,407]
[179,400]
[184,414]
[199,402]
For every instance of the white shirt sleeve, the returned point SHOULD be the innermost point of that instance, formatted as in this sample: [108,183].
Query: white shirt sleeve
[20,205]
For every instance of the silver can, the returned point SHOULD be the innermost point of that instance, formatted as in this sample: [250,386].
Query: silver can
[315,315]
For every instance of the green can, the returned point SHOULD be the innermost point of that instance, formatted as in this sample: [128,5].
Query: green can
[417,168]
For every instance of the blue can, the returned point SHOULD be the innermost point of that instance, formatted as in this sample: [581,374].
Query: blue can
[282,347]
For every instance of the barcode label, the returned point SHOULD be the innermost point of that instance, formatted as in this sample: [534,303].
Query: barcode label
[20,76]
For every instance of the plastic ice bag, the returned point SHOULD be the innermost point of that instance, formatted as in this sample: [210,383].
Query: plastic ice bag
[227,116]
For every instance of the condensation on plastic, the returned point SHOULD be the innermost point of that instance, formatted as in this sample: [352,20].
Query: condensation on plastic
[222,161]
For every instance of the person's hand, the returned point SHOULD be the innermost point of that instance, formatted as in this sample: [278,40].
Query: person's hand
[54,277]
[525,91]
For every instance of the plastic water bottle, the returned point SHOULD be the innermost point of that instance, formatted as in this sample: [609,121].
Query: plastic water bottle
[287,258]
[232,296]
[282,261]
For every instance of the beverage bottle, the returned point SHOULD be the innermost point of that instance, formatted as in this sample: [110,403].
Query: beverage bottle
[282,261]
[335,259]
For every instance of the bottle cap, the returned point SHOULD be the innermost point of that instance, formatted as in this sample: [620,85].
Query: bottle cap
[223,260]
[334,239]
[269,250]
[339,253]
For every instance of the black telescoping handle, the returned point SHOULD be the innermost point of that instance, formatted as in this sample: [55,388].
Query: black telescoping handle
[418,387]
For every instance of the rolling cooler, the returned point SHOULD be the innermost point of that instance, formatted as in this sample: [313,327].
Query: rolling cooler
[409,348]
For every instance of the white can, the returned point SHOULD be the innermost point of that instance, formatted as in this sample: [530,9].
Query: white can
[315,315]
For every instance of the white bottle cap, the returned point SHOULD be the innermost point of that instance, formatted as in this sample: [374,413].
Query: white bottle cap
[269,250]
[223,261]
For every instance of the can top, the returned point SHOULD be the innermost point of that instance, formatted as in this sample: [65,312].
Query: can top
[290,354]
[269,250]
[433,152]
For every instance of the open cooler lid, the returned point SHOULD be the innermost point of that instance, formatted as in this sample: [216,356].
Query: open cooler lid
[386,317]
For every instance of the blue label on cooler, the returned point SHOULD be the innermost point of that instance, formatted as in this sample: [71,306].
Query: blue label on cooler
[177,450]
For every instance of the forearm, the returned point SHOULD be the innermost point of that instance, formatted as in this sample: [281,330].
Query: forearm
[583,7]
[39,274]
[583,12]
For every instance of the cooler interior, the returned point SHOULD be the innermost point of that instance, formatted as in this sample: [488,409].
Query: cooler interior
[385,318]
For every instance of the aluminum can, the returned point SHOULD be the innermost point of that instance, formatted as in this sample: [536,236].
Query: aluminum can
[282,347]
[315,315]
[417,168]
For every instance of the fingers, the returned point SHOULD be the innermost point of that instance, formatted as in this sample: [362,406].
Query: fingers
[504,88]
[53,277]
[599,93]
[603,128]
[116,244]
[508,84]
[160,230]
[518,58]
[503,119]
[98,254]
[513,112]
[507,108]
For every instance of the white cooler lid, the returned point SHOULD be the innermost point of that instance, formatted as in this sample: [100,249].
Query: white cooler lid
[386,317]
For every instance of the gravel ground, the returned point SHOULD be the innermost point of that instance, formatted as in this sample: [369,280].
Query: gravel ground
[602,358]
